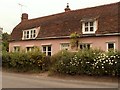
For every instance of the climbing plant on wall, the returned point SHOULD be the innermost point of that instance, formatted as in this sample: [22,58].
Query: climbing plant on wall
[74,40]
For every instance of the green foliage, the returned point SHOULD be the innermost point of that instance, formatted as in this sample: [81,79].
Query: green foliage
[74,35]
[74,40]
[5,36]
[6,59]
[5,41]
[61,60]
[24,62]
[89,62]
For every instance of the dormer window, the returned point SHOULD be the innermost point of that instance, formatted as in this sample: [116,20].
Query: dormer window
[89,26]
[29,34]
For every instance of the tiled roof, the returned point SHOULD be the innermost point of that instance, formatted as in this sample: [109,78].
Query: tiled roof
[63,24]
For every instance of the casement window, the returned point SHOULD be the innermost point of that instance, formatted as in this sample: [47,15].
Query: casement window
[110,46]
[64,46]
[84,46]
[47,50]
[29,34]
[33,33]
[29,49]
[89,27]
[16,48]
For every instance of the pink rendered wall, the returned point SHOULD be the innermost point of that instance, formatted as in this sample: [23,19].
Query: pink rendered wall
[54,43]
[119,43]
[101,42]
[97,42]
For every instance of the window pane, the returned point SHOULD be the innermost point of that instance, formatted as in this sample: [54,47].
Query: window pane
[49,48]
[91,23]
[44,48]
[91,28]
[86,23]
[86,29]
[34,34]
[27,48]
[27,34]
[34,31]
[81,47]
[49,53]
[65,46]
[84,46]
[31,34]
[110,45]
[16,49]
[88,46]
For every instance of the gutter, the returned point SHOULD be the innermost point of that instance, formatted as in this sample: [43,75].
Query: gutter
[67,37]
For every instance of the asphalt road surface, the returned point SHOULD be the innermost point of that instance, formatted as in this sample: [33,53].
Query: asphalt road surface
[12,80]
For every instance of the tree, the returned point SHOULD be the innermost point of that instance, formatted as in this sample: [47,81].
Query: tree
[5,41]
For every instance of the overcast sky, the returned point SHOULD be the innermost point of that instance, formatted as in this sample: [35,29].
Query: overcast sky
[10,11]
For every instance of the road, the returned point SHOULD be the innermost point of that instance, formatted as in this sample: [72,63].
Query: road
[12,80]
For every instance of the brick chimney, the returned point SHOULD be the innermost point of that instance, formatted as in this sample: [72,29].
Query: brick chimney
[67,8]
[24,17]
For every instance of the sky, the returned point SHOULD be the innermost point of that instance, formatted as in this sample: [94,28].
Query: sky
[10,10]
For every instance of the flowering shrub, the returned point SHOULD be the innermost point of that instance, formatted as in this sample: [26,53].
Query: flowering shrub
[106,65]
[90,62]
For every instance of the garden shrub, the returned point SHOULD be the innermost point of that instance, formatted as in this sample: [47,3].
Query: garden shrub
[89,62]
[61,61]
[6,59]
[24,62]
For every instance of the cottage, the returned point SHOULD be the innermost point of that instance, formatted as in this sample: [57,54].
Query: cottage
[98,28]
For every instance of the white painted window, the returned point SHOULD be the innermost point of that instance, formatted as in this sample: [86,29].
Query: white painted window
[33,34]
[29,34]
[110,45]
[16,48]
[64,46]
[47,50]
[89,27]
[29,49]
[85,46]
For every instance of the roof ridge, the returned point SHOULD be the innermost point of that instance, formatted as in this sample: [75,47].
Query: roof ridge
[46,16]
[104,5]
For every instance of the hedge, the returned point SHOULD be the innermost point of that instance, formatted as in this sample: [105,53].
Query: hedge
[24,62]
[88,62]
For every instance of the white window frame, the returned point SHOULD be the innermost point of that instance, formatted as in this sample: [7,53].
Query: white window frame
[46,52]
[30,48]
[85,44]
[95,25]
[17,49]
[110,43]
[32,34]
[64,48]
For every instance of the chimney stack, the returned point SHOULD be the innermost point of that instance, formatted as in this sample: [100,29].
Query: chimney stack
[24,17]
